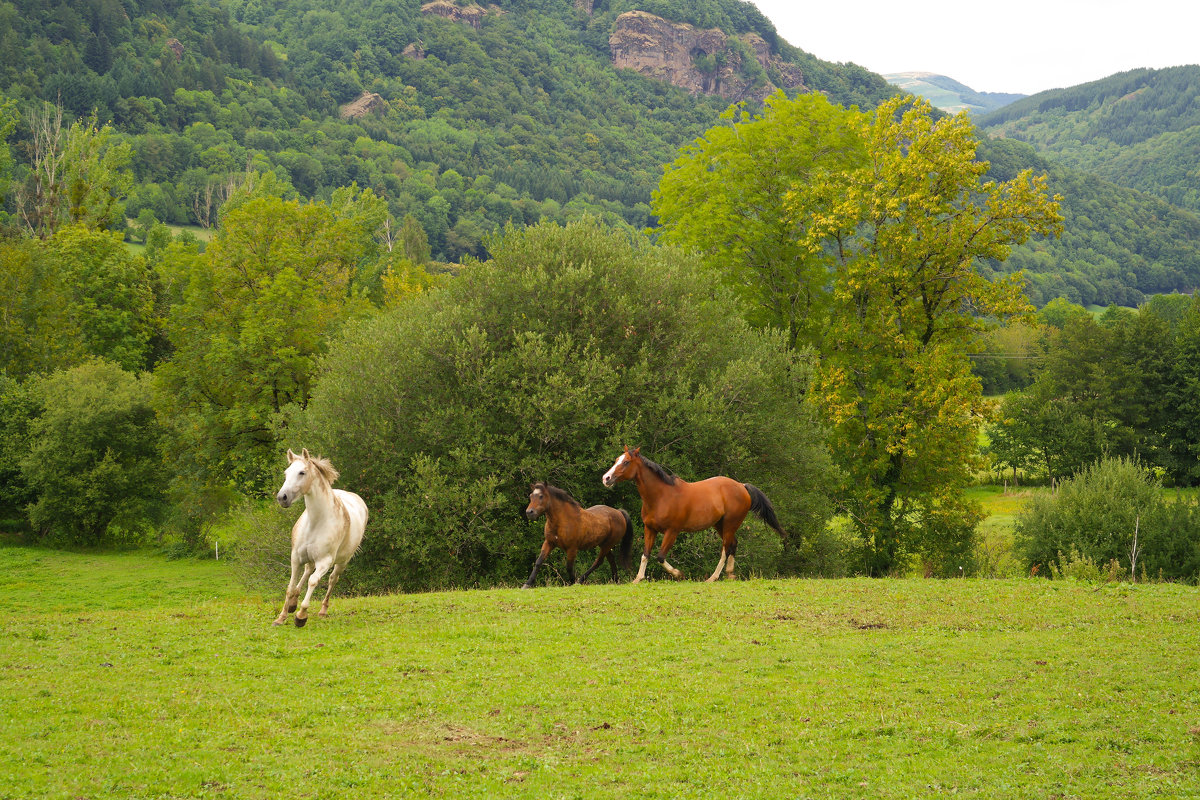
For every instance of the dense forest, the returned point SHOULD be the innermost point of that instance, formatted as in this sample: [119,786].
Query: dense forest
[516,117]
[520,120]
[1118,245]
[1139,129]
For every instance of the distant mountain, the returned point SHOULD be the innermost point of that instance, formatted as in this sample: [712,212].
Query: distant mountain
[948,94]
[1139,129]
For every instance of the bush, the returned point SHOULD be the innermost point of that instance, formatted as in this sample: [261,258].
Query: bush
[93,461]
[1092,520]
[540,365]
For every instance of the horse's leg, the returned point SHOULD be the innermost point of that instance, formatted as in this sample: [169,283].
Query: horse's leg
[729,545]
[720,564]
[318,572]
[651,535]
[604,551]
[546,548]
[293,590]
[571,553]
[333,579]
[612,562]
[719,528]
[668,540]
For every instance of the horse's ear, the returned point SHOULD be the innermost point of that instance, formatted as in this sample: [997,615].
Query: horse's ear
[636,450]
[291,456]
[304,454]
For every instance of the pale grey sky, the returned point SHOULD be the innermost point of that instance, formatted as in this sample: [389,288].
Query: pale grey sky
[1023,46]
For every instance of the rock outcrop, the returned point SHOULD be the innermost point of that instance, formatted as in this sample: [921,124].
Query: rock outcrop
[701,61]
[472,14]
[366,103]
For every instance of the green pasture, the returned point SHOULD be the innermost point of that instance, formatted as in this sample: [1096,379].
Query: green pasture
[129,676]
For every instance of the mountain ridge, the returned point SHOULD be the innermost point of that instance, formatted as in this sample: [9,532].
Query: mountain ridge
[948,94]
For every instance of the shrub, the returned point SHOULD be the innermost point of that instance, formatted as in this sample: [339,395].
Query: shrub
[540,365]
[93,461]
[1093,518]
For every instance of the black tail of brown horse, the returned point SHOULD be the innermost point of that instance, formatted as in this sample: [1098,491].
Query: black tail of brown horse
[627,542]
[763,509]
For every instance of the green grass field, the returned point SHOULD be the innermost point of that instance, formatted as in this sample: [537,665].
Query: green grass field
[129,676]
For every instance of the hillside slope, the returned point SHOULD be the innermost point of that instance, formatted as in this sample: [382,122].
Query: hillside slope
[948,94]
[1139,129]
[484,115]
[472,117]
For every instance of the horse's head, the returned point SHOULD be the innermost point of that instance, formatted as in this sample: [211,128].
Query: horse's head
[624,468]
[301,472]
[539,501]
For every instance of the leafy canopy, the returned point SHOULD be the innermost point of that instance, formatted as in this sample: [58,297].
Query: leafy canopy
[866,247]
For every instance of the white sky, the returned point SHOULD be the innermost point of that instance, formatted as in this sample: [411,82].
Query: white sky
[1022,46]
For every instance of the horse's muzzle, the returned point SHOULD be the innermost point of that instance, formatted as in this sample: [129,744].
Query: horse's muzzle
[531,514]
[283,500]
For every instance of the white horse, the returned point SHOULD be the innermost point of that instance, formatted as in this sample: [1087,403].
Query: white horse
[326,535]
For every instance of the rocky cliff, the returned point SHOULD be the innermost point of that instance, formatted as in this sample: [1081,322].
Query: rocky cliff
[471,14]
[701,61]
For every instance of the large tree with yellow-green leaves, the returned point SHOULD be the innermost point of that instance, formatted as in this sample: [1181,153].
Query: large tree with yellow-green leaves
[880,219]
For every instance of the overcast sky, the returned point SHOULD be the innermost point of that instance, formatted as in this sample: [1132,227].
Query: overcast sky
[1022,46]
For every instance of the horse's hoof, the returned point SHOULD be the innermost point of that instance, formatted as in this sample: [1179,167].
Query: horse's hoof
[279,621]
[527,586]
[300,621]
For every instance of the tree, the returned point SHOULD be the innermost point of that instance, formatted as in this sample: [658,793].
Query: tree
[722,197]
[78,175]
[895,378]
[883,221]
[540,365]
[93,461]
[254,313]
[78,293]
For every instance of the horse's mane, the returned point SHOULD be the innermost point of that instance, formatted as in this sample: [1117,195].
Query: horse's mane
[559,494]
[665,475]
[324,469]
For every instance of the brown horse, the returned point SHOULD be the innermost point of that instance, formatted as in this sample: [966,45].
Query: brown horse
[671,505]
[574,528]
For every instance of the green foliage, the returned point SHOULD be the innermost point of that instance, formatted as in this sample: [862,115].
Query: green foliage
[93,461]
[859,238]
[540,365]
[253,313]
[78,293]
[527,109]
[746,236]
[19,405]
[1139,129]
[1121,385]
[1094,517]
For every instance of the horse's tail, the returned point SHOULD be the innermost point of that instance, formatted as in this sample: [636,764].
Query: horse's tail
[627,541]
[763,509]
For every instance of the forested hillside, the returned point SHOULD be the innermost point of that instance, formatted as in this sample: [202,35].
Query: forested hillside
[1139,129]
[1118,245]
[513,115]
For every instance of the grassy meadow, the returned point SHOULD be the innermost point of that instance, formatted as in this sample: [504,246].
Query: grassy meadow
[127,675]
